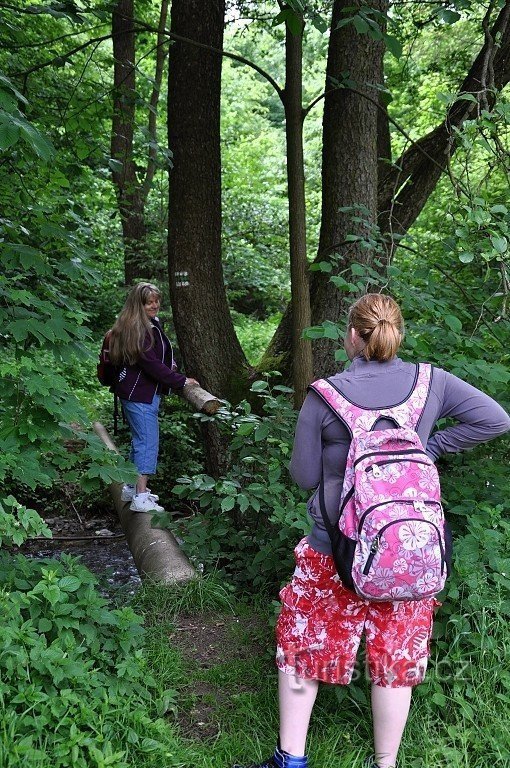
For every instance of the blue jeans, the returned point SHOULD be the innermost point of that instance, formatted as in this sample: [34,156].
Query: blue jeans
[143,423]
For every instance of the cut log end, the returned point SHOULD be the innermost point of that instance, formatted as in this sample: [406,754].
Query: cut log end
[200,399]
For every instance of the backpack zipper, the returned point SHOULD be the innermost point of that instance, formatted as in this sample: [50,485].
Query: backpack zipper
[394,461]
[393,501]
[375,544]
[388,453]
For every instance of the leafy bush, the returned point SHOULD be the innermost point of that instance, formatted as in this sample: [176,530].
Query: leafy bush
[248,522]
[74,688]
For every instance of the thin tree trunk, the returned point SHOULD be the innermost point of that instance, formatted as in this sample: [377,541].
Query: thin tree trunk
[300,291]
[349,176]
[161,54]
[131,192]
[123,123]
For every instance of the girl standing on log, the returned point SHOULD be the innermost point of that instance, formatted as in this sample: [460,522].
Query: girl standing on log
[321,622]
[145,370]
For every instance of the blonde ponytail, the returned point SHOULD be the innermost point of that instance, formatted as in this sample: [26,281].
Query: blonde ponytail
[377,319]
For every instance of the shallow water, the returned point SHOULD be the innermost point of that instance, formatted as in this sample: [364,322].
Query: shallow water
[110,561]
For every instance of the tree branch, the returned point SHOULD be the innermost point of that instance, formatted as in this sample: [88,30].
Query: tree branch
[233,56]
[379,106]
[413,174]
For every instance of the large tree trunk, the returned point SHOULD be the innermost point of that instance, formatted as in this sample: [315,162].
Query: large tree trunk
[420,167]
[128,191]
[349,175]
[302,366]
[206,335]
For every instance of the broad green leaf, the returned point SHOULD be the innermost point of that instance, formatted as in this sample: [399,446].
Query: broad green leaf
[115,165]
[261,432]
[9,135]
[453,323]
[393,45]
[246,428]
[259,386]
[448,16]
[360,24]
[69,583]
[500,244]
[228,503]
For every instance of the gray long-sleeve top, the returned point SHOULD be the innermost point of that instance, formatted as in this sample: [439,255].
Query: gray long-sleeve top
[322,441]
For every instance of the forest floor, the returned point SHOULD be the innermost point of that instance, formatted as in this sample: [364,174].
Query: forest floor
[207,642]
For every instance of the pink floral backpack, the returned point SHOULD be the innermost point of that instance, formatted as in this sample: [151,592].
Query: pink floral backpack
[392,542]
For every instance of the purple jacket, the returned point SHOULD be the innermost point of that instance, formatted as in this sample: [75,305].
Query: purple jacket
[322,441]
[153,373]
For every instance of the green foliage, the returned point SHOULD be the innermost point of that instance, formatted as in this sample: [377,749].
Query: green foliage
[43,329]
[372,22]
[247,521]
[74,684]
[15,127]
[254,335]
[17,523]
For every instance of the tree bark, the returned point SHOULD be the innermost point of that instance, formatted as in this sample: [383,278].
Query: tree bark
[123,125]
[205,332]
[302,367]
[349,176]
[131,192]
[152,127]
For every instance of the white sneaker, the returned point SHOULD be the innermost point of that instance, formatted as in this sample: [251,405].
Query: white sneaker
[128,491]
[144,502]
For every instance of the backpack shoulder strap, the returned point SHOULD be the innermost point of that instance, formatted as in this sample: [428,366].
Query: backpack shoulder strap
[358,419]
[409,413]
[345,410]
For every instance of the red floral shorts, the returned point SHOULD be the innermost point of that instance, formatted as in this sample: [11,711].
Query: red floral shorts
[321,623]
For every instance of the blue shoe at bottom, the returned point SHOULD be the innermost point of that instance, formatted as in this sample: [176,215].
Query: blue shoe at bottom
[270,763]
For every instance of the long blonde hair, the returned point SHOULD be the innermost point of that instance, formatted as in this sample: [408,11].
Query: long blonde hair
[132,325]
[377,319]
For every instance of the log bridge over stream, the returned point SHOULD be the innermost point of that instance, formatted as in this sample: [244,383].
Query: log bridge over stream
[156,552]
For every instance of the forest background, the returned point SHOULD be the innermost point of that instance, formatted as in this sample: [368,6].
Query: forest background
[264,163]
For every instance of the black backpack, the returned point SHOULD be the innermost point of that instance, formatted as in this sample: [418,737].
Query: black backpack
[107,374]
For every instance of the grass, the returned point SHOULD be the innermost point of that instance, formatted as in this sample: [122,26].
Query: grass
[215,651]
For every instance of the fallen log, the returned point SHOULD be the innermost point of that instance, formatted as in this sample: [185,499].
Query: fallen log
[200,399]
[155,551]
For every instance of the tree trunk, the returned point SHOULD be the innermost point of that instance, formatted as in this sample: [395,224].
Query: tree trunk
[420,167]
[206,335]
[152,127]
[302,368]
[349,176]
[131,192]
[123,124]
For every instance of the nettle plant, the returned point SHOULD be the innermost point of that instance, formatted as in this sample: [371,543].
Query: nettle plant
[75,688]
[248,521]
[74,683]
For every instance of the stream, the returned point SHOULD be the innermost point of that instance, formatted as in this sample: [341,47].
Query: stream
[110,560]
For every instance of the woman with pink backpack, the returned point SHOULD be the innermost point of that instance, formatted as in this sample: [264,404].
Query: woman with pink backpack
[363,442]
